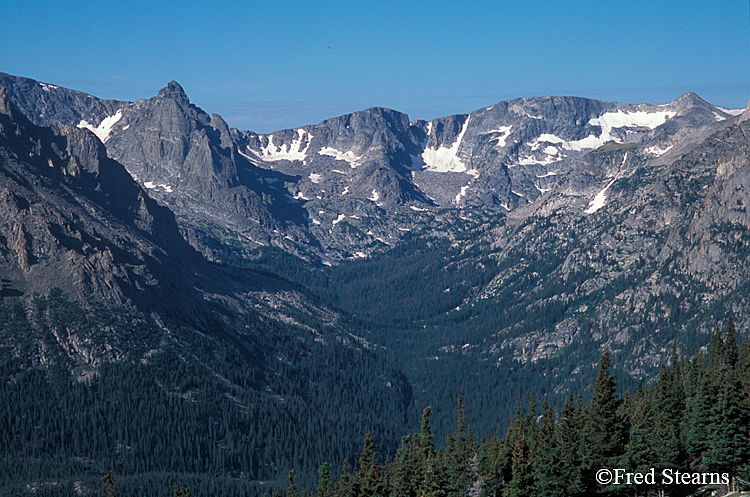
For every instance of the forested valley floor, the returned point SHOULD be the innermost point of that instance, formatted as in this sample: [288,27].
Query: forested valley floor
[691,424]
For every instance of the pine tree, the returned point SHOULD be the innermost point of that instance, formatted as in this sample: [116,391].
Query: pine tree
[492,461]
[325,488]
[545,452]
[731,353]
[566,478]
[640,453]
[345,487]
[716,353]
[111,484]
[696,421]
[291,490]
[522,481]
[181,492]
[729,432]
[459,454]
[604,434]
[368,476]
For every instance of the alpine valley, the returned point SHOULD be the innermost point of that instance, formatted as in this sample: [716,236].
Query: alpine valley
[185,301]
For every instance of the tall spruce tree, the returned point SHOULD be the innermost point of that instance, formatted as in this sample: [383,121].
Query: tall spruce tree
[566,479]
[368,476]
[325,487]
[604,434]
[729,432]
[459,455]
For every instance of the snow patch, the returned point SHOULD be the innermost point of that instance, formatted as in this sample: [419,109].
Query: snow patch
[732,112]
[504,132]
[550,173]
[291,152]
[375,196]
[608,121]
[418,209]
[152,186]
[530,159]
[349,156]
[601,197]
[444,159]
[340,218]
[346,190]
[657,151]
[105,127]
[315,178]
[462,193]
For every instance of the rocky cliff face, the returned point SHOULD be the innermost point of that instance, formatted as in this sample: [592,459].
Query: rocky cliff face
[73,219]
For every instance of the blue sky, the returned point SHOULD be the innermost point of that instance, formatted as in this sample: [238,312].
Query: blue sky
[271,65]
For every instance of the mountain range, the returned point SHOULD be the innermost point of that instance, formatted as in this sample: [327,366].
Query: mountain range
[488,254]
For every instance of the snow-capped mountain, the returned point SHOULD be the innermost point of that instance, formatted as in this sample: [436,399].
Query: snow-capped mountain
[354,184]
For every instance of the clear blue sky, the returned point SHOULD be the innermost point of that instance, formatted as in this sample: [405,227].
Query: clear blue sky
[277,64]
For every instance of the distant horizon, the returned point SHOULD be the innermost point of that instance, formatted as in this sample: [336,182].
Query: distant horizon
[271,66]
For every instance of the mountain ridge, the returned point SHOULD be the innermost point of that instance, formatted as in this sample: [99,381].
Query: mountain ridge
[369,169]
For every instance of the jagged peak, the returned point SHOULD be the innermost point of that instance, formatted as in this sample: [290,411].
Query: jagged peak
[174,91]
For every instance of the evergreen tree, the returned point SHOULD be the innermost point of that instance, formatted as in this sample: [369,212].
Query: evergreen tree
[522,481]
[111,484]
[729,432]
[716,355]
[180,492]
[640,451]
[696,421]
[545,452]
[566,478]
[731,354]
[604,434]
[345,487]
[492,461]
[325,488]
[291,490]
[368,476]
[459,454]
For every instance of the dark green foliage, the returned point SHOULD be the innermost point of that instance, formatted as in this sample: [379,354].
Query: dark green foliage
[181,492]
[202,406]
[605,429]
[111,484]
[325,487]
[291,489]
[661,426]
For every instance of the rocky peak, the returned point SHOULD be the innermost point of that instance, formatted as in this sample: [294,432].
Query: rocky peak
[174,91]
[689,100]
